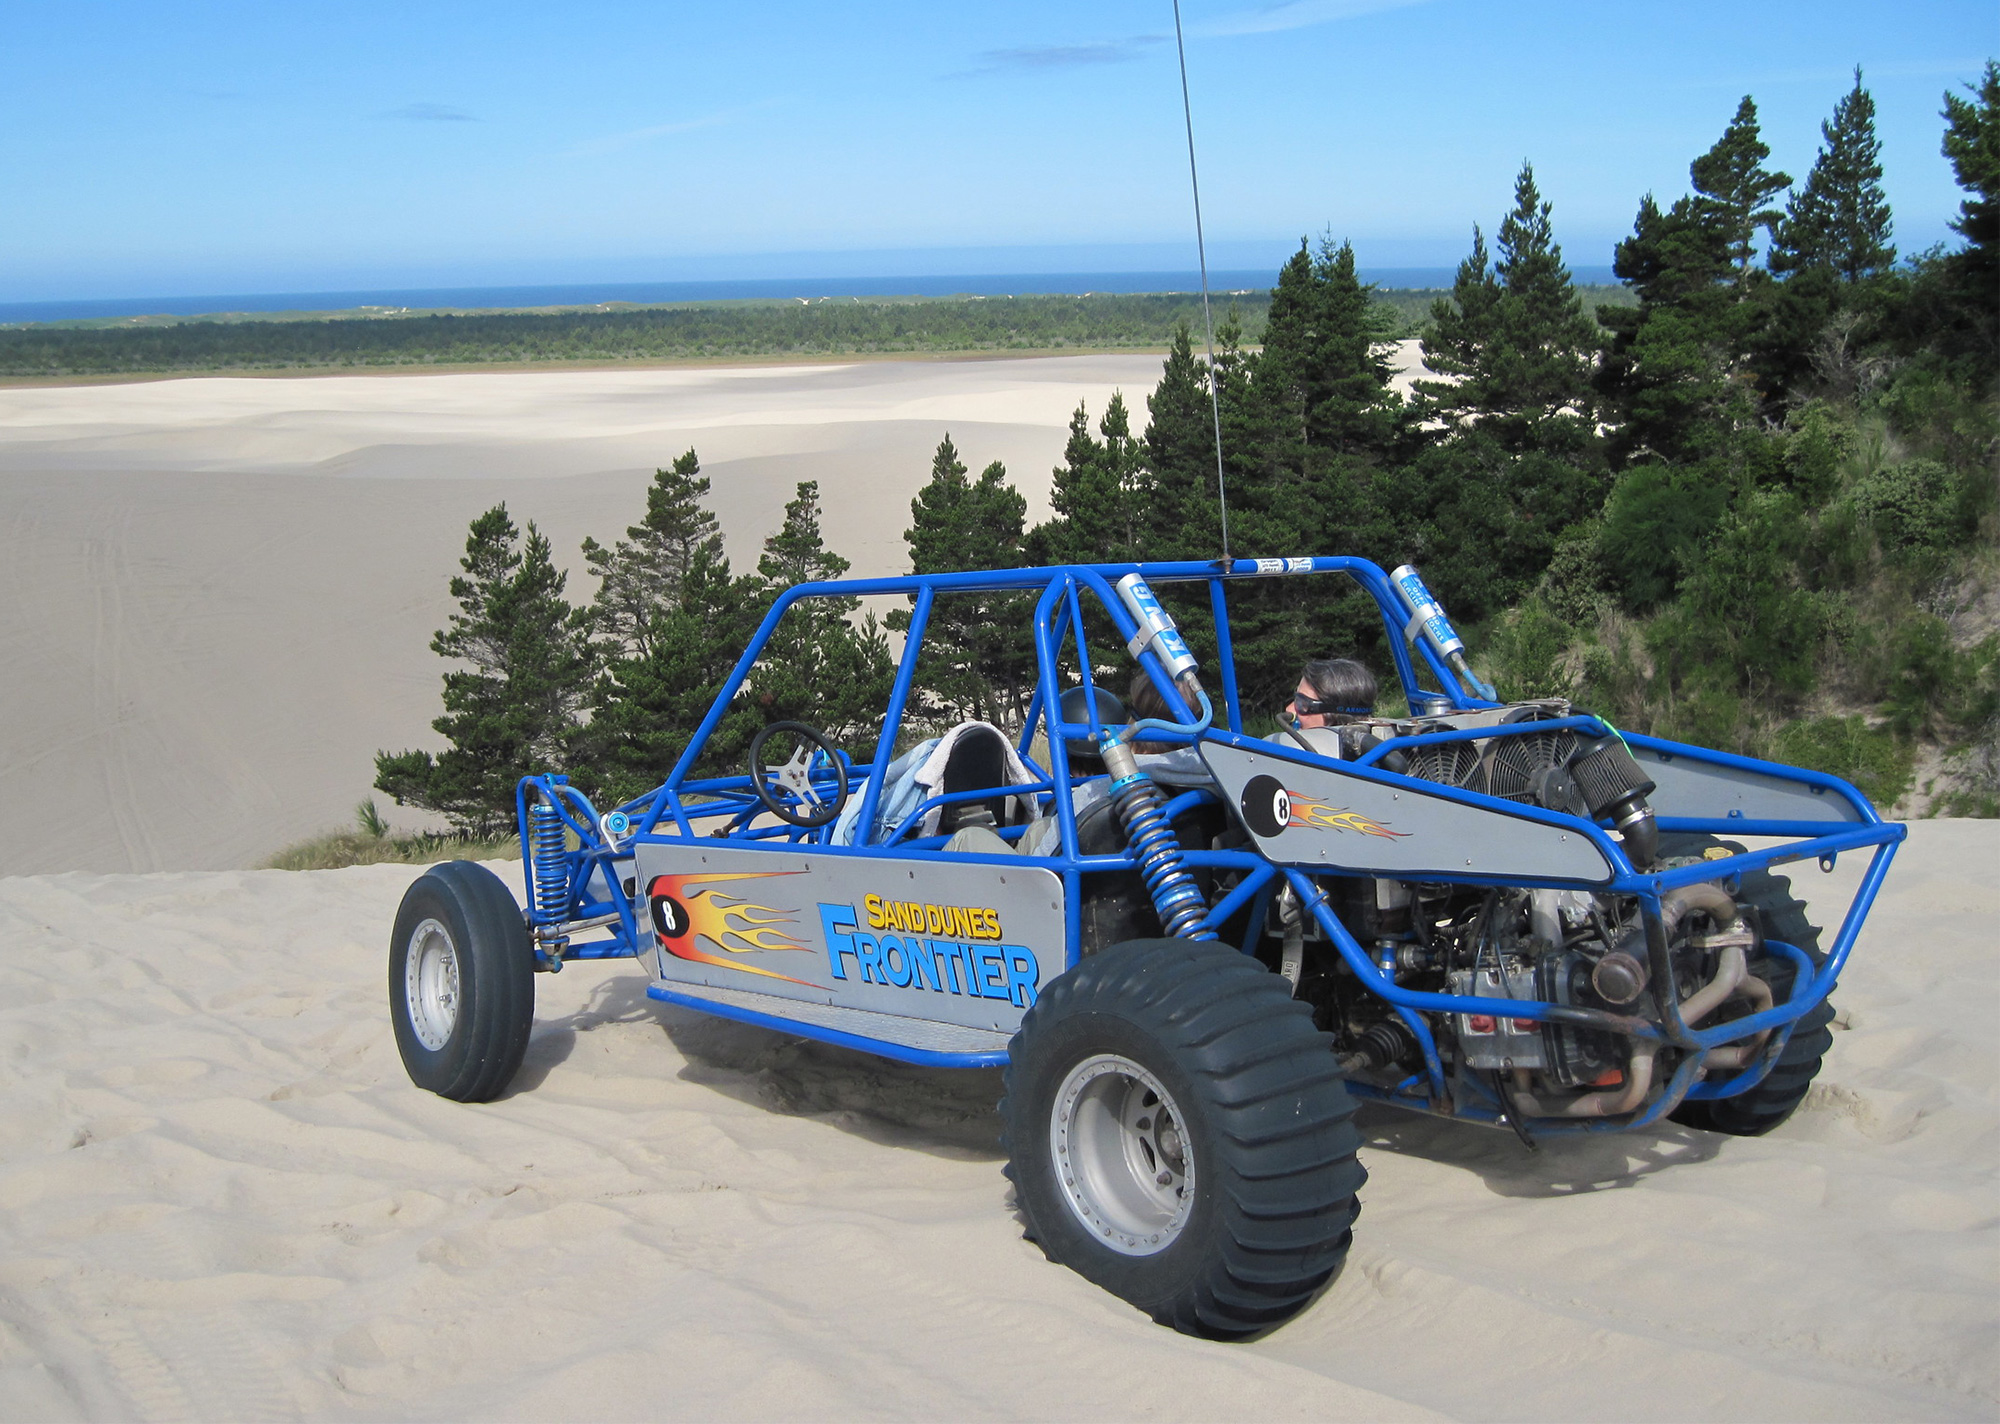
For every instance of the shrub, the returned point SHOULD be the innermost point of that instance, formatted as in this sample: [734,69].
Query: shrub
[339,849]
[1532,658]
[1873,759]
[1913,509]
[1654,521]
[1814,452]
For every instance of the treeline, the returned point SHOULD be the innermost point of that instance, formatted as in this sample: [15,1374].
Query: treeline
[833,327]
[1755,508]
[745,329]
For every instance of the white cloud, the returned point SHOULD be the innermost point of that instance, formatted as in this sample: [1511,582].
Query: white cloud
[1067,56]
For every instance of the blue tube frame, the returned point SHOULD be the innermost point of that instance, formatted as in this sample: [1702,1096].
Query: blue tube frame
[672,813]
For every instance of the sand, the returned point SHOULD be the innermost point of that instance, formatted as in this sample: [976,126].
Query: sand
[220,1198]
[223,1200]
[217,595]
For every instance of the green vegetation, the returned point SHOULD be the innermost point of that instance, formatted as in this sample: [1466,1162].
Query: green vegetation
[616,689]
[371,844]
[1753,507]
[719,331]
[516,704]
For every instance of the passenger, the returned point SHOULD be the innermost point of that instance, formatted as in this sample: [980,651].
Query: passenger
[1146,704]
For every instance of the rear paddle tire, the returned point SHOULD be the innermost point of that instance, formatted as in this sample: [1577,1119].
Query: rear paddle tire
[1177,1134]
[1781,915]
[461,983]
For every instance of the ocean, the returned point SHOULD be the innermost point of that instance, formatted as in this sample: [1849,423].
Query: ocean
[652,293]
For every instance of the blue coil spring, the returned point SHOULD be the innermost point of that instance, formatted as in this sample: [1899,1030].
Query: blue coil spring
[1140,808]
[545,834]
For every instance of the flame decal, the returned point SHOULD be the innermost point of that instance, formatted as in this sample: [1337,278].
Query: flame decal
[1317,814]
[728,922]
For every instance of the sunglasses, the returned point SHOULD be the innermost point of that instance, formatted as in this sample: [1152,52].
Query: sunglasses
[1314,707]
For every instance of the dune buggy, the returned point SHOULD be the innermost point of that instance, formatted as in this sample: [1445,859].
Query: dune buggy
[1193,949]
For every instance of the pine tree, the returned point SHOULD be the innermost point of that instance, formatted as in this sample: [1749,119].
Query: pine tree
[1308,424]
[646,572]
[1675,361]
[1832,252]
[1097,494]
[1733,189]
[1515,338]
[1840,219]
[669,619]
[514,710]
[1326,348]
[1518,461]
[1541,369]
[978,655]
[1179,482]
[1461,333]
[1292,490]
[1972,144]
[648,705]
[1679,377]
[818,667]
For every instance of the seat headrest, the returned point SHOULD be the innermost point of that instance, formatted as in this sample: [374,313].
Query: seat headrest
[977,759]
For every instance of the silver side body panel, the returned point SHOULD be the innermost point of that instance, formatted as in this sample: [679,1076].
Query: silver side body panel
[1328,817]
[1686,787]
[955,942]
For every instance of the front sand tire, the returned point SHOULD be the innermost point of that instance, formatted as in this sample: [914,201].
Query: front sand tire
[461,983]
[1178,1134]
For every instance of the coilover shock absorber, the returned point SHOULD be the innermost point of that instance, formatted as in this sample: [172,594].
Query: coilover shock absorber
[546,850]
[1140,806]
[1141,810]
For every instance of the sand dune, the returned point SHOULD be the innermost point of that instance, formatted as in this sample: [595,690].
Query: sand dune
[217,596]
[222,1199]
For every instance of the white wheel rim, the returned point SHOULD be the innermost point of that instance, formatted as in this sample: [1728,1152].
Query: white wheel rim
[430,984]
[1118,1144]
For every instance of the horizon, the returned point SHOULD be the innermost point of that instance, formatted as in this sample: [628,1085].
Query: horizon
[861,288]
[245,149]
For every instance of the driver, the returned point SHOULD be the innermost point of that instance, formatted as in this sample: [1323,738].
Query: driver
[1331,692]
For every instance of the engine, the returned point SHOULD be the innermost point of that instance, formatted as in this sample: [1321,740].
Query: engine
[1568,947]
[1593,777]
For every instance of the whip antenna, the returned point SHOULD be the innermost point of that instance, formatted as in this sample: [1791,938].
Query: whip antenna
[1207,318]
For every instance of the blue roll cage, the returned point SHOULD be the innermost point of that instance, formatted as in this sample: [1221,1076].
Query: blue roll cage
[573,889]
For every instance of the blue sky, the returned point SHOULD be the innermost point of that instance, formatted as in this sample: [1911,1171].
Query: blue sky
[240,147]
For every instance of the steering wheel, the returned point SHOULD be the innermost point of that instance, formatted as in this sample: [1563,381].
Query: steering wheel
[787,788]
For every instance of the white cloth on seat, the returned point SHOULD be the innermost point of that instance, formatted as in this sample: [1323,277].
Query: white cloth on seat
[917,775]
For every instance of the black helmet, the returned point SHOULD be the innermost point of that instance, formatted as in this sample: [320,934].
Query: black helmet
[1071,707]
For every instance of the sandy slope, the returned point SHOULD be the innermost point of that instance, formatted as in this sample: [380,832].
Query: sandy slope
[217,596]
[220,1198]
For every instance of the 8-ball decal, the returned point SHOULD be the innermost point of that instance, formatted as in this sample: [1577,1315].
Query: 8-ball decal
[670,917]
[1267,806]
